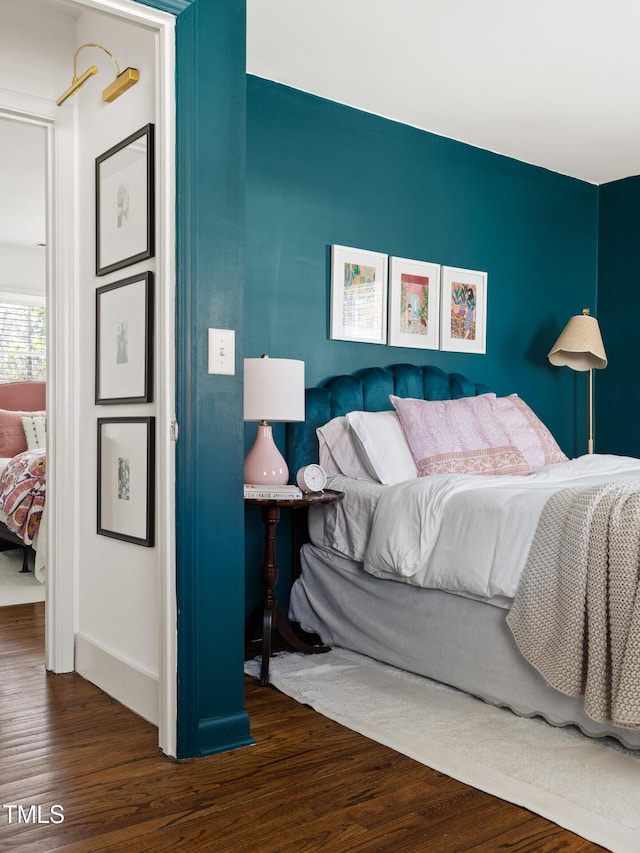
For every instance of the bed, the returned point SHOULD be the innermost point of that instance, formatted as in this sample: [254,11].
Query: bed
[432,588]
[23,471]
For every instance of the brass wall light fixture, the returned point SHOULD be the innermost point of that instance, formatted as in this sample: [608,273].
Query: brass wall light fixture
[124,79]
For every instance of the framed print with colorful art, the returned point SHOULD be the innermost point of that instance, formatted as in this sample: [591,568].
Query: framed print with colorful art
[126,478]
[414,304]
[463,318]
[358,295]
[125,201]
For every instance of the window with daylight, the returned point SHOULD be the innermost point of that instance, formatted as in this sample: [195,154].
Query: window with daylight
[23,331]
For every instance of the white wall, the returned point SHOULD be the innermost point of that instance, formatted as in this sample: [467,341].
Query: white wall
[36,49]
[23,159]
[36,46]
[22,268]
[118,641]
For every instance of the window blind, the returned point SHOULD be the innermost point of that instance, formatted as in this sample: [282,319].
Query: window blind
[23,330]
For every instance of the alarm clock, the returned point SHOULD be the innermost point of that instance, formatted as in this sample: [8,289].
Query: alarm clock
[311,478]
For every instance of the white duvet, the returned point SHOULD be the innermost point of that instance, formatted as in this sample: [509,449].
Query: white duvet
[464,534]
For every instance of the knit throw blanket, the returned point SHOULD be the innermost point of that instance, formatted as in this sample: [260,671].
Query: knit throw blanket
[576,615]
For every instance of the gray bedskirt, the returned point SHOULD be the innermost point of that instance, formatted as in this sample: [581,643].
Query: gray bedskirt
[455,640]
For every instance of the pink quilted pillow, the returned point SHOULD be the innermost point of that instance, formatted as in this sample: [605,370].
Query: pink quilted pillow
[12,437]
[461,436]
[528,433]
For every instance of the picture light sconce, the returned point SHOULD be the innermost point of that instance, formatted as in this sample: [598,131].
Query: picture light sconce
[124,79]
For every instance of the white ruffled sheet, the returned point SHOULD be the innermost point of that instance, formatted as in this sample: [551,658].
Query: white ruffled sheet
[469,535]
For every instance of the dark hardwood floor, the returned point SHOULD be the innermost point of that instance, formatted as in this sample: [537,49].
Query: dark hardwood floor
[307,785]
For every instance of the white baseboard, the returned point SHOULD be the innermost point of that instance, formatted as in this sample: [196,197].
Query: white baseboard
[129,685]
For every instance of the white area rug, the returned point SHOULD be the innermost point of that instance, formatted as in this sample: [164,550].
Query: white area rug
[17,587]
[590,787]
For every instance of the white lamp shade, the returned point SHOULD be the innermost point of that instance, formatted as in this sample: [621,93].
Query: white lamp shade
[580,345]
[273,389]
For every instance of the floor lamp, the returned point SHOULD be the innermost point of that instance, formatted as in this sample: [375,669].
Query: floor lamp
[580,347]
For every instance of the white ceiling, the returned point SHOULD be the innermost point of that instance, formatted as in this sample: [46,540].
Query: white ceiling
[555,83]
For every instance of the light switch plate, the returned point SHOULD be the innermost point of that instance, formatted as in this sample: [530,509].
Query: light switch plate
[222,351]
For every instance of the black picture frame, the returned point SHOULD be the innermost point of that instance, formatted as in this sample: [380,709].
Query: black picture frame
[125,202]
[125,340]
[126,479]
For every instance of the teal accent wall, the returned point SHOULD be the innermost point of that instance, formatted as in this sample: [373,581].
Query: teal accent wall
[319,173]
[617,401]
[210,174]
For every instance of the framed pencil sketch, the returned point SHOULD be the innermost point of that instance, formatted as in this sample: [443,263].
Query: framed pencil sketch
[125,202]
[463,318]
[358,295]
[124,341]
[126,479]
[414,304]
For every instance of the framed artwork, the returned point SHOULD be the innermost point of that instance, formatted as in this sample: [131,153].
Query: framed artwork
[358,295]
[125,202]
[414,304]
[126,479]
[124,341]
[463,318]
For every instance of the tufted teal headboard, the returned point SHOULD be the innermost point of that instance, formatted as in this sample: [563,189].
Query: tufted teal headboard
[368,390]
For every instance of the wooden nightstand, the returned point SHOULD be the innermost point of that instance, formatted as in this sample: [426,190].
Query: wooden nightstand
[269,611]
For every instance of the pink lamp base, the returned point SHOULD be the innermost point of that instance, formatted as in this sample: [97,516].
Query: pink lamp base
[264,464]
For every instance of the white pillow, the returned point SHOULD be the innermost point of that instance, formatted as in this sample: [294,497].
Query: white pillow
[383,446]
[35,432]
[338,454]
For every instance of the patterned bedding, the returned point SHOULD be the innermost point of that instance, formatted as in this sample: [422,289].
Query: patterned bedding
[22,494]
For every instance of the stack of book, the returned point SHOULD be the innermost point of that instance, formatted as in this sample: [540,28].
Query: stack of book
[272,493]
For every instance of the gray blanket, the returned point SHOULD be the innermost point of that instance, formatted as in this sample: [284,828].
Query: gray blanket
[576,615]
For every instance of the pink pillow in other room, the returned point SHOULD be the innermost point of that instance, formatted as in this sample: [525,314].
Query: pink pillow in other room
[528,433]
[12,437]
[463,436]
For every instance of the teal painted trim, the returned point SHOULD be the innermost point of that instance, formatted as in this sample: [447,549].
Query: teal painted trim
[210,129]
[217,735]
[186,526]
[174,7]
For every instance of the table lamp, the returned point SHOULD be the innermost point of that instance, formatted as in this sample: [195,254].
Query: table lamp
[580,347]
[273,391]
